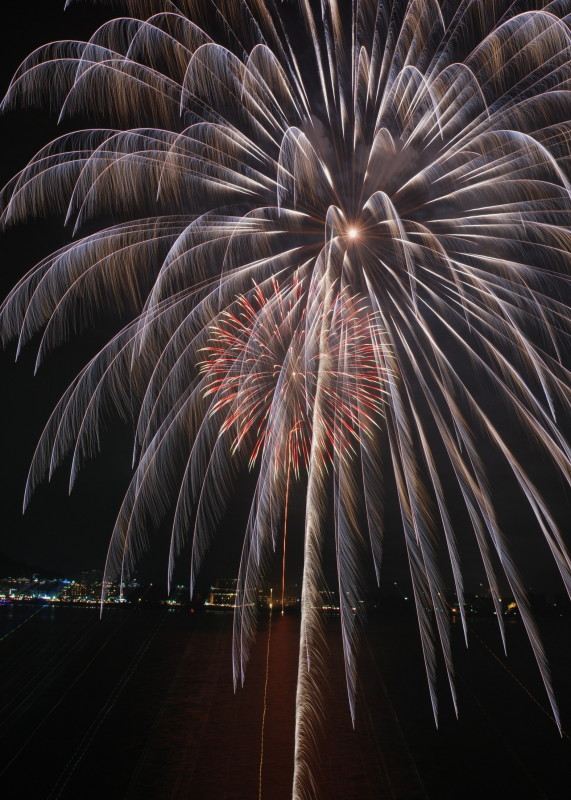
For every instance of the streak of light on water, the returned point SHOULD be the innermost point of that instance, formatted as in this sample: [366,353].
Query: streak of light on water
[140,705]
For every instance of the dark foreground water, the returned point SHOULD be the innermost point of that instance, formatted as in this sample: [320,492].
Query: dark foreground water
[140,705]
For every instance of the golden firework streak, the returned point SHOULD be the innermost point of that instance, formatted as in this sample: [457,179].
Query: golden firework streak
[265,695]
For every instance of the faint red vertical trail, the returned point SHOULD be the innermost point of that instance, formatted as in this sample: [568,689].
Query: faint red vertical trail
[206,741]
[280,715]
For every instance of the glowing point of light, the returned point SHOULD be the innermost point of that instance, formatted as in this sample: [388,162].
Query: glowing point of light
[352,233]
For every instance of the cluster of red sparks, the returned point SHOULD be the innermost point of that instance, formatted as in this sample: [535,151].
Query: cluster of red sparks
[259,375]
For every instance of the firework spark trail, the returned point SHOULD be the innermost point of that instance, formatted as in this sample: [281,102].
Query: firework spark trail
[335,223]
[265,707]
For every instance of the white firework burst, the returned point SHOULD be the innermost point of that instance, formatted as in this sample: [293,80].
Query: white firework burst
[334,222]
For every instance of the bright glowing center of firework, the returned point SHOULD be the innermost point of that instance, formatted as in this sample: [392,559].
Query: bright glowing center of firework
[352,233]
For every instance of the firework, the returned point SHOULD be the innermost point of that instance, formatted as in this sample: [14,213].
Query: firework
[334,222]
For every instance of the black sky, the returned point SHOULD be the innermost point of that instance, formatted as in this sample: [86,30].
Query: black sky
[59,533]
[69,535]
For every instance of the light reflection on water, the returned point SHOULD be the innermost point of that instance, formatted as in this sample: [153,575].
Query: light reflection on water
[140,705]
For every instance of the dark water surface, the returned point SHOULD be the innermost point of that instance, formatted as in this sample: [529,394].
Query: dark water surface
[140,705]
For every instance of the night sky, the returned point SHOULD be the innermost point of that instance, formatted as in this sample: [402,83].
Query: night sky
[57,533]
[68,535]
